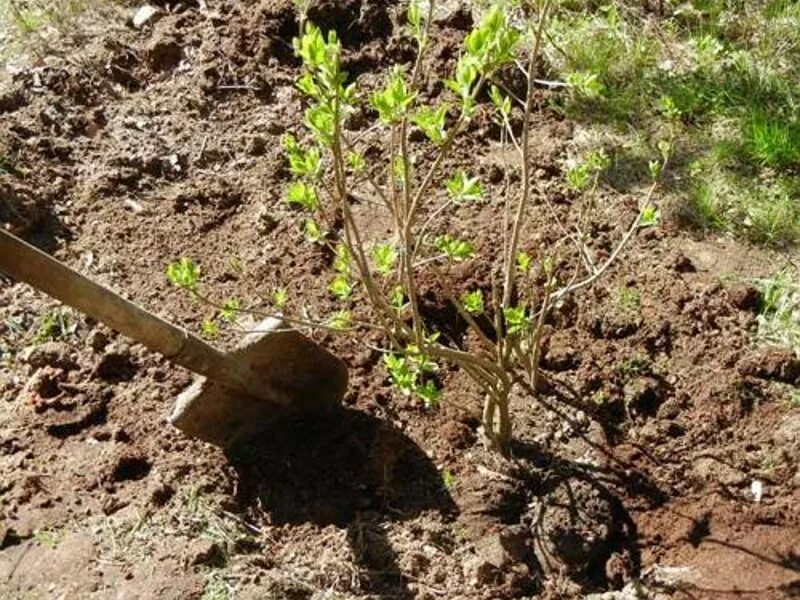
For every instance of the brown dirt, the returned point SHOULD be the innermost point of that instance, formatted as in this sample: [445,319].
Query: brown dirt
[148,145]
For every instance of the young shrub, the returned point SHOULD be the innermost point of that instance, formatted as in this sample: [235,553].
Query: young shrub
[378,283]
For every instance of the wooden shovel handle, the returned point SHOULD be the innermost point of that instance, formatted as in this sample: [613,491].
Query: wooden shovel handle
[25,263]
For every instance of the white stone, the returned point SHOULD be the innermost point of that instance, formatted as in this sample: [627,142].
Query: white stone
[143,15]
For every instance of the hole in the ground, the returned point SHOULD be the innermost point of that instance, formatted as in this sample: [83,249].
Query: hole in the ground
[131,468]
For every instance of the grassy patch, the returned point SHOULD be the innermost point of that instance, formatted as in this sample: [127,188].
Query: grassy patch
[719,79]
[54,326]
[779,313]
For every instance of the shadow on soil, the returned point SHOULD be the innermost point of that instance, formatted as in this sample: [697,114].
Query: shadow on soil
[348,469]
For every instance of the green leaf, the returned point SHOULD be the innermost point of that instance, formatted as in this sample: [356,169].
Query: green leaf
[356,162]
[209,329]
[429,393]
[432,122]
[586,84]
[230,309]
[455,249]
[394,100]
[473,302]
[341,287]
[401,373]
[279,298]
[501,102]
[524,262]
[303,163]
[385,256]
[303,195]
[312,231]
[464,188]
[341,320]
[184,274]
[650,216]
[655,169]
[343,261]
[397,298]
[516,319]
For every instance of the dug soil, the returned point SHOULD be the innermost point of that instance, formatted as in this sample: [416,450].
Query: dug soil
[636,470]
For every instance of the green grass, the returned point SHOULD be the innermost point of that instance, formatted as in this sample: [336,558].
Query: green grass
[54,326]
[779,311]
[771,141]
[719,78]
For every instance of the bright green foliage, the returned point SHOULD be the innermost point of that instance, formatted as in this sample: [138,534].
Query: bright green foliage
[473,302]
[524,262]
[356,162]
[585,173]
[302,194]
[455,249]
[230,310]
[324,82]
[209,329]
[448,480]
[773,142]
[385,256]
[343,261]
[416,22]
[586,85]
[463,188]
[408,372]
[393,102]
[432,122]
[184,274]
[403,376]
[55,325]
[304,163]
[341,320]
[429,393]
[341,287]
[516,319]
[780,304]
[488,47]
[650,216]
[501,102]
[279,298]
[397,298]
[312,231]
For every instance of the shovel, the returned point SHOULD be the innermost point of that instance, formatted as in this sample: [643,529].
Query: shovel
[272,373]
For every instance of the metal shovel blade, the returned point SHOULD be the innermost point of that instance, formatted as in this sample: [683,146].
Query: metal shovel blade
[301,376]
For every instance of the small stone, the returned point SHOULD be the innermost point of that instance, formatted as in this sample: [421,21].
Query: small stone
[144,15]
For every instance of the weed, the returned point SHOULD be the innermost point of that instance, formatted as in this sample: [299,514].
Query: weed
[49,536]
[771,141]
[633,366]
[448,480]
[54,326]
[217,588]
[779,312]
[601,398]
[629,299]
